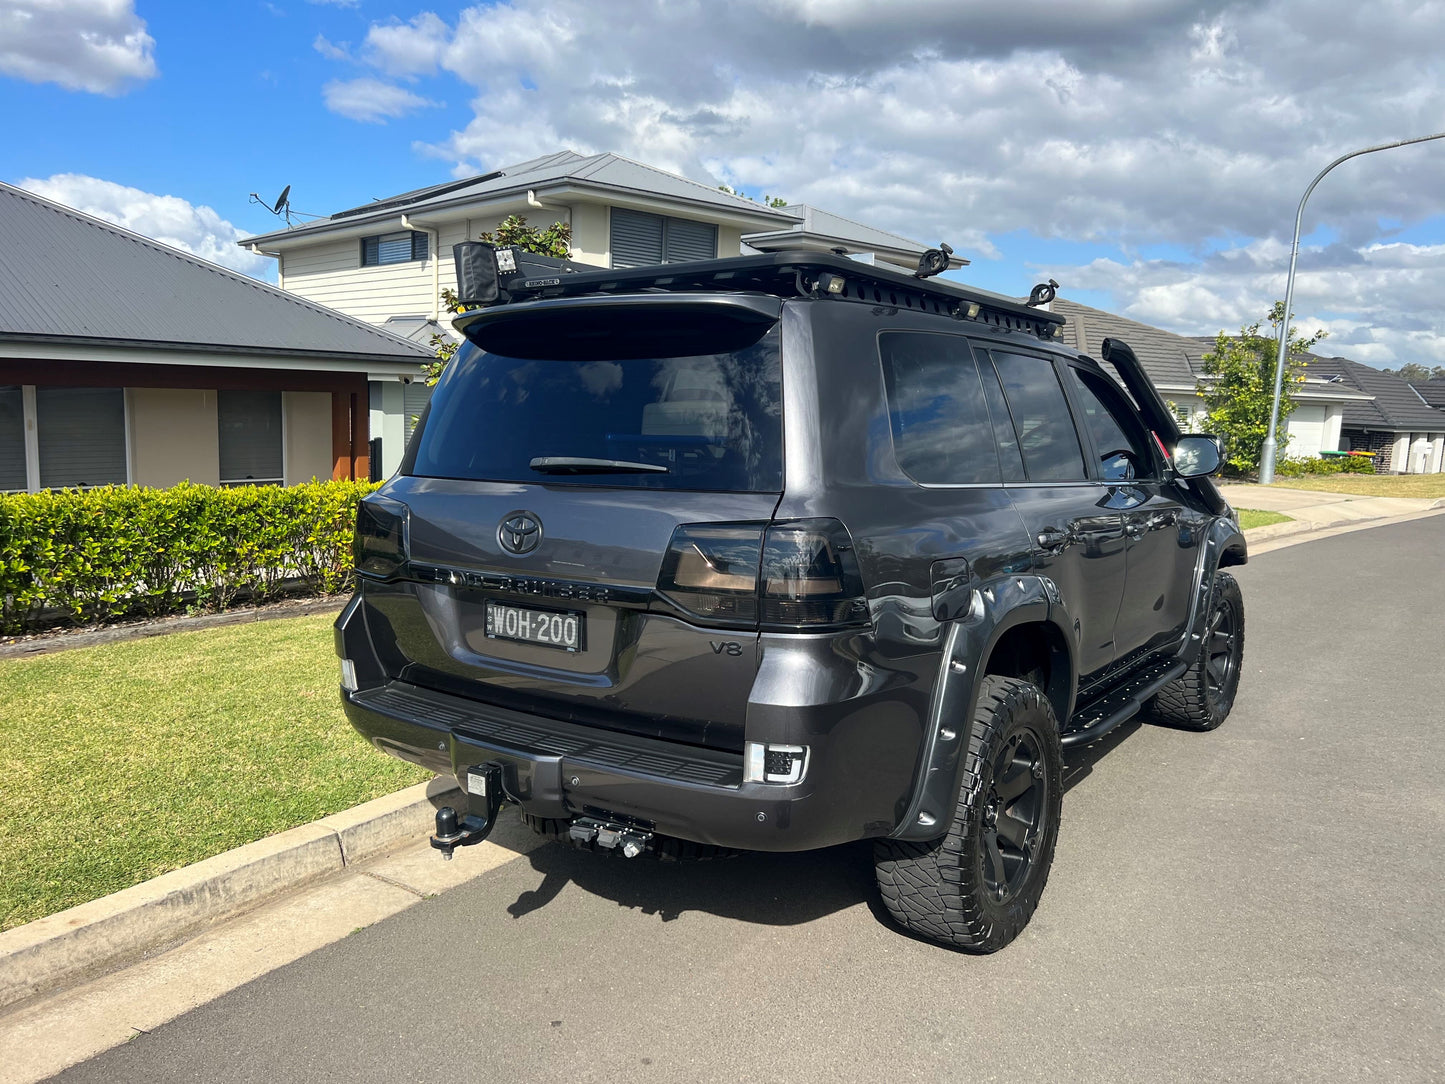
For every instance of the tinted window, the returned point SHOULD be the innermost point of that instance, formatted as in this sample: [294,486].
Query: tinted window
[941,432]
[713,420]
[1041,416]
[1110,428]
[1010,459]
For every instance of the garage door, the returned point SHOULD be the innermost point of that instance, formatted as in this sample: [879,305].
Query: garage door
[1306,431]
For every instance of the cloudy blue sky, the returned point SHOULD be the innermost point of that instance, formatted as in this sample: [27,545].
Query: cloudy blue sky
[1148,154]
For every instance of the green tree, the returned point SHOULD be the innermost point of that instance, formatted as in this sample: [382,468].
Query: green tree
[1413,370]
[768,201]
[555,240]
[1238,387]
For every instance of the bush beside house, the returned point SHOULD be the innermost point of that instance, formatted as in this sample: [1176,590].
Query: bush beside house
[119,551]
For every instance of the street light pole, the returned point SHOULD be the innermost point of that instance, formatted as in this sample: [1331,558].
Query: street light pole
[1267,452]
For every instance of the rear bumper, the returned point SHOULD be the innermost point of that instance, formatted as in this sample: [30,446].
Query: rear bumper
[561,770]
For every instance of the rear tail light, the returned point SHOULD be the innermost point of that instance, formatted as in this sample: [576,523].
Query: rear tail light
[711,571]
[380,545]
[799,575]
[764,763]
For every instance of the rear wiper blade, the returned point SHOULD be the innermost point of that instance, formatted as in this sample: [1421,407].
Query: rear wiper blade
[570,464]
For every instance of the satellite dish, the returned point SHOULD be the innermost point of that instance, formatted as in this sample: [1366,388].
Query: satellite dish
[281,200]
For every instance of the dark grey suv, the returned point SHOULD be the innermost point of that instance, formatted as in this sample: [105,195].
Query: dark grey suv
[781,552]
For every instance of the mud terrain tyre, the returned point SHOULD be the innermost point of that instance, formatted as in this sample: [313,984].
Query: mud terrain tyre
[977,887]
[1202,698]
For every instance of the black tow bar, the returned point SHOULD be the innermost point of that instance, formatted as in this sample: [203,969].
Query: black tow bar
[484,788]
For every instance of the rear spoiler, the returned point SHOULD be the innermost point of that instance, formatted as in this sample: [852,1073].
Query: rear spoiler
[1156,412]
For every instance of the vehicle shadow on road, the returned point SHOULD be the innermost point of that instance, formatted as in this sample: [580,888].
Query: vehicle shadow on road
[764,888]
[768,889]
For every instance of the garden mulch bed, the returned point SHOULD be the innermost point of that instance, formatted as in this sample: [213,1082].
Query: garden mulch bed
[66,637]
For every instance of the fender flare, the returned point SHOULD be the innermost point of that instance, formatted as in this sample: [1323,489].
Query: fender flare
[996,607]
[1223,546]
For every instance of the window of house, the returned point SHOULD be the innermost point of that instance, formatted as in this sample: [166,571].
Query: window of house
[639,239]
[12,438]
[250,437]
[414,398]
[81,435]
[941,431]
[393,248]
[1041,417]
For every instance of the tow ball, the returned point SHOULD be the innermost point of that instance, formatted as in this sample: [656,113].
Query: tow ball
[484,790]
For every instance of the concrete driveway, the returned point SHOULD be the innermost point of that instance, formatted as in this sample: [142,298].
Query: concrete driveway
[1260,903]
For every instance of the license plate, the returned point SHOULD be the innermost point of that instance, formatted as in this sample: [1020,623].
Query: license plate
[564,629]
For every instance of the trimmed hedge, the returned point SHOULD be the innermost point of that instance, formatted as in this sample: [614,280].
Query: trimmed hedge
[1345,464]
[120,551]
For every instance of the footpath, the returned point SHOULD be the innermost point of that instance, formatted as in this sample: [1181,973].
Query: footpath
[1315,514]
[81,981]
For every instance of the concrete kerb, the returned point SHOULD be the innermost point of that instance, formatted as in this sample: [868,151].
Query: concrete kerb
[66,947]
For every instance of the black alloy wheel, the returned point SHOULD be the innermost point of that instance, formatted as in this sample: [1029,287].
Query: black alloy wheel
[1014,815]
[1221,646]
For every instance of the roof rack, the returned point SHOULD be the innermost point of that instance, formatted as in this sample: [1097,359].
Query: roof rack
[518,277]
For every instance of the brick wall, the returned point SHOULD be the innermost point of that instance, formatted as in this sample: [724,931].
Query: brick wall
[1373,441]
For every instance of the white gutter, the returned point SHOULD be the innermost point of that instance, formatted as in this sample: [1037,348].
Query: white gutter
[533,201]
[436,264]
[280,273]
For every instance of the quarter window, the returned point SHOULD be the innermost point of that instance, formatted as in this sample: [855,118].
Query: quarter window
[393,248]
[1046,433]
[941,432]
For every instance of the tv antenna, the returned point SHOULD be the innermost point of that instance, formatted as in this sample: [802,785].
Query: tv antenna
[282,206]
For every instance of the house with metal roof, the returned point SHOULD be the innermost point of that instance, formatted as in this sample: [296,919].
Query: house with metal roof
[388,261]
[1175,363]
[123,360]
[1396,422]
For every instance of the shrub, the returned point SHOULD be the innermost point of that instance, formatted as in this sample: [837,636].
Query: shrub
[1345,464]
[118,551]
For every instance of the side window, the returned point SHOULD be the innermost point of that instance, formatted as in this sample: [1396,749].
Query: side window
[1041,416]
[1123,453]
[1010,459]
[941,431]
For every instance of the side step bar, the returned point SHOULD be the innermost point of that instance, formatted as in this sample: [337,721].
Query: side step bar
[1119,705]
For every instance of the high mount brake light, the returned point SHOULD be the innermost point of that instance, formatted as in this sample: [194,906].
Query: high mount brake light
[379,547]
[799,575]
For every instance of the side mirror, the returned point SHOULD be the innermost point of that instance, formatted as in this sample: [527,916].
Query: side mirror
[1198,454]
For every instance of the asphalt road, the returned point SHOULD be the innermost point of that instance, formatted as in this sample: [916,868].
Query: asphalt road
[1261,903]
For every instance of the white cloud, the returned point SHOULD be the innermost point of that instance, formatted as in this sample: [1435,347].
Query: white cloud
[1123,123]
[331,50]
[371,99]
[412,48]
[99,46]
[168,219]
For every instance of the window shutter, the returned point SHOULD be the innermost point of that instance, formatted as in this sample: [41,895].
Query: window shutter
[690,241]
[12,438]
[636,238]
[394,248]
[418,246]
[370,251]
[82,436]
[250,435]
[414,398]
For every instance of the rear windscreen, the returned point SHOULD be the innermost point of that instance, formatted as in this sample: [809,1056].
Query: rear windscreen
[708,417]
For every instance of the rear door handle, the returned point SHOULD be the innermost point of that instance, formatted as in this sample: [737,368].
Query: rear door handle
[1051,538]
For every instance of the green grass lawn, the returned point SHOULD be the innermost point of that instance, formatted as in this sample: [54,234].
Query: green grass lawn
[124,761]
[1370,485]
[1253,517]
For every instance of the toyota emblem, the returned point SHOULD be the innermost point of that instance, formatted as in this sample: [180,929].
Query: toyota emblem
[520,532]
